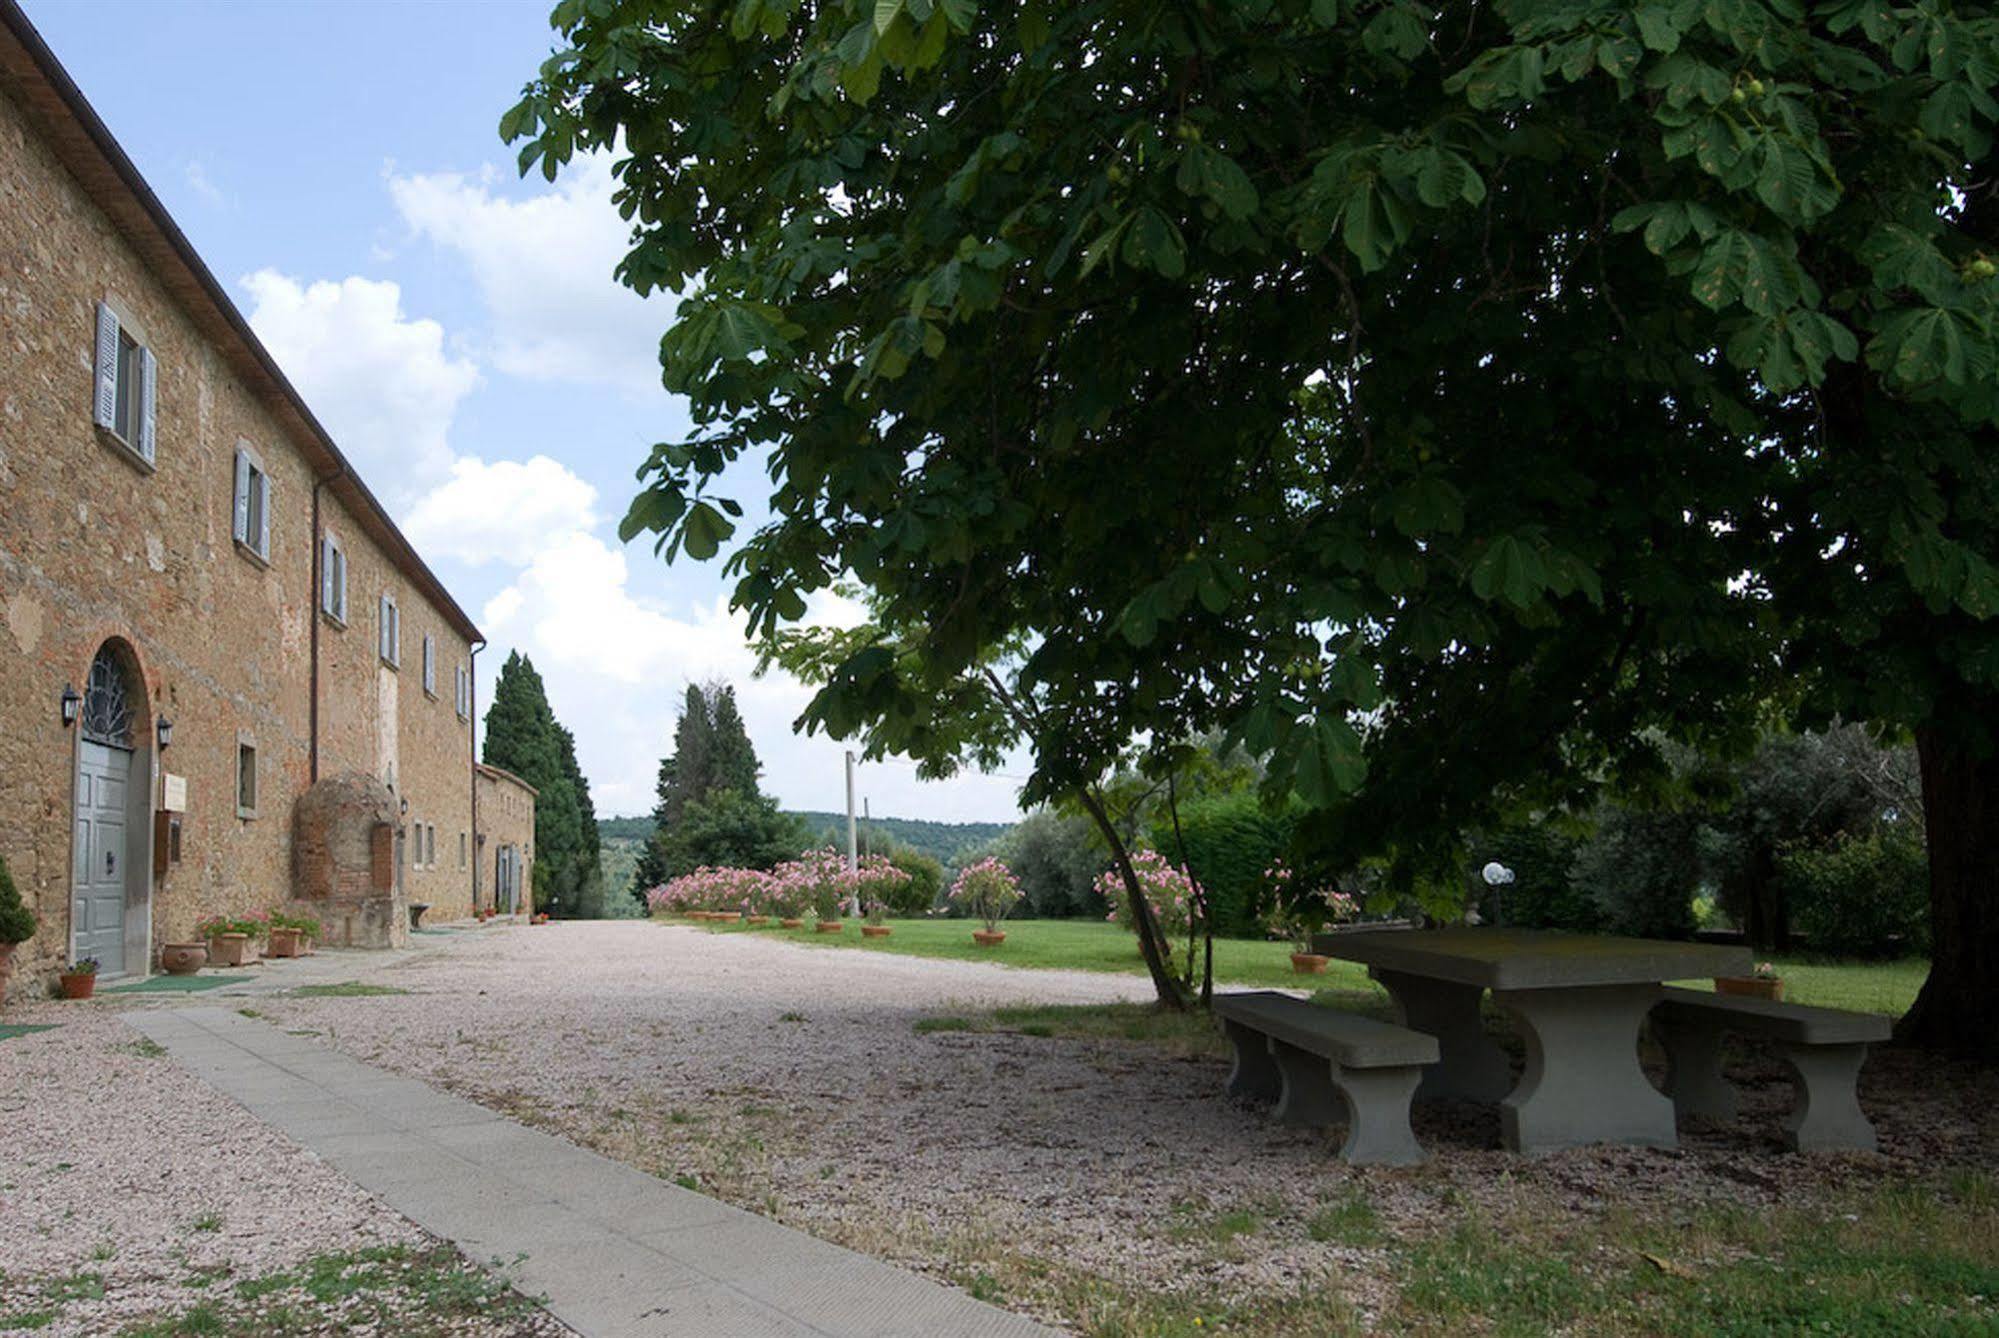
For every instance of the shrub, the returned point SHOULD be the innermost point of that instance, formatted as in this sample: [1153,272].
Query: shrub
[919,891]
[1229,841]
[1542,894]
[1167,888]
[1057,859]
[1862,896]
[986,890]
[17,922]
[1641,868]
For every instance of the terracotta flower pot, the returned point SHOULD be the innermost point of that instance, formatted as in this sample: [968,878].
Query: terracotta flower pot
[77,984]
[831,926]
[791,922]
[988,938]
[183,959]
[1754,987]
[758,920]
[284,942]
[876,931]
[1308,963]
[229,949]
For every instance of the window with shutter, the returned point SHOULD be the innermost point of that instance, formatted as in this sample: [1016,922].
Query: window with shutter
[252,524]
[429,666]
[123,386]
[390,633]
[333,580]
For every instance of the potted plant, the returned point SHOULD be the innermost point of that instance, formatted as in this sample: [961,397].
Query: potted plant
[987,890]
[17,925]
[289,933]
[877,925]
[1300,916]
[1763,983]
[229,938]
[80,980]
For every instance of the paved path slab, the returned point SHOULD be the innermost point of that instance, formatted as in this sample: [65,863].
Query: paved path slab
[614,1252]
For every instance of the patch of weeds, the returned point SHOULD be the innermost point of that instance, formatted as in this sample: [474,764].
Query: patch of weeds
[26,1321]
[146,1048]
[1036,1029]
[681,1117]
[346,989]
[983,1287]
[75,1287]
[1189,1033]
[251,1013]
[207,1222]
[103,1251]
[926,1025]
[1350,1220]
[791,1017]
[1192,1222]
[686,1181]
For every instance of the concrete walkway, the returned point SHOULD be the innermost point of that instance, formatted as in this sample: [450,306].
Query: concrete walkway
[609,1249]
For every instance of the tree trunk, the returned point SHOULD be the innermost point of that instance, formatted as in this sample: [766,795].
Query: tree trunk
[1958,1010]
[1150,937]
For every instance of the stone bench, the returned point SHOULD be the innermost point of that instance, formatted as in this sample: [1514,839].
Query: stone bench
[1322,1066]
[1823,1046]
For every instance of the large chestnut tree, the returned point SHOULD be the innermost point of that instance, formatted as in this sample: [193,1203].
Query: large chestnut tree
[1453,401]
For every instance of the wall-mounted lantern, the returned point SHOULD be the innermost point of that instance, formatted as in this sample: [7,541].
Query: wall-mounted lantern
[72,702]
[165,729]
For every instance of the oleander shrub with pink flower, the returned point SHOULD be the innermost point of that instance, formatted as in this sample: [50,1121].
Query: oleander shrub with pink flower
[1167,888]
[987,891]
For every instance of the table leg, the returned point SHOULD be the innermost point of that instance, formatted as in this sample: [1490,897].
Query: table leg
[1583,1082]
[1469,1067]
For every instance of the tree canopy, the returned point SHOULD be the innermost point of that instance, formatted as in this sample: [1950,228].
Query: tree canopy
[523,736]
[1452,402]
[710,809]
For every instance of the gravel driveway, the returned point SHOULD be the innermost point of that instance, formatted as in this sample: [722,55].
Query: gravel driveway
[1044,1173]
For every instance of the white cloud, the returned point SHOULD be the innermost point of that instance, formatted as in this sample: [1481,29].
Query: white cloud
[382,383]
[501,511]
[197,181]
[544,266]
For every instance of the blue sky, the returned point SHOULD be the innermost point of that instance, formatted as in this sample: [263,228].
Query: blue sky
[459,332]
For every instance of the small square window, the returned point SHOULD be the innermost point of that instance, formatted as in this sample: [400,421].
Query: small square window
[246,780]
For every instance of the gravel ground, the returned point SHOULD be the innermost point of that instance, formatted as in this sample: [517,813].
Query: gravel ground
[791,1080]
[128,1187]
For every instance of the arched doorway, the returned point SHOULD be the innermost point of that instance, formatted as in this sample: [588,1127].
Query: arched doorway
[109,880]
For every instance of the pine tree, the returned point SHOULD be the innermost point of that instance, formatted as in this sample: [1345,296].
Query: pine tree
[523,736]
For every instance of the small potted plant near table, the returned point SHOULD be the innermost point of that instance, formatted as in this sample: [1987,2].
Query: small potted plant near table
[987,890]
[80,980]
[17,925]
[1763,983]
[877,925]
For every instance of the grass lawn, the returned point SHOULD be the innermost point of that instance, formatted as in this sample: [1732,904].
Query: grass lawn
[1090,945]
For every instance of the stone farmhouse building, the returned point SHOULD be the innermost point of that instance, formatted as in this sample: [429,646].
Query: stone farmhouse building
[228,683]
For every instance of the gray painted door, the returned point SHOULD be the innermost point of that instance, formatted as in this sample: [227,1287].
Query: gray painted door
[97,898]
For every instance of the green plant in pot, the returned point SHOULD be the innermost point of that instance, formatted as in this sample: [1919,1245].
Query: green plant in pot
[17,925]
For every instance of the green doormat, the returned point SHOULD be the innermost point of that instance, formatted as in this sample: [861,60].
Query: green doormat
[9,1030]
[174,984]
[433,931]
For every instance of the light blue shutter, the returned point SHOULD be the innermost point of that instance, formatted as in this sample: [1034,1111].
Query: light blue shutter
[263,514]
[146,377]
[104,401]
[325,574]
[242,530]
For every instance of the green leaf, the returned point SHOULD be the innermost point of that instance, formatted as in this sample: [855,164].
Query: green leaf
[1211,174]
[1154,240]
[1658,29]
[1510,569]
[704,531]
[886,13]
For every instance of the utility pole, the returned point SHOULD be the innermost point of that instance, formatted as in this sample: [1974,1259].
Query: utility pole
[852,853]
[853,862]
[867,825]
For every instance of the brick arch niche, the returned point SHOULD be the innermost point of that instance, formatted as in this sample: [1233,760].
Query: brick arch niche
[344,862]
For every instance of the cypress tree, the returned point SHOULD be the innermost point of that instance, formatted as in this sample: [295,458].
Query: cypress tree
[732,758]
[523,736]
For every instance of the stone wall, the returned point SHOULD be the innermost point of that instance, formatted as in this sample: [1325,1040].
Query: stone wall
[96,544]
[506,819]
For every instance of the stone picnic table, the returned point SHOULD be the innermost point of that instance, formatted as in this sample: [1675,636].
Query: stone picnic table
[1579,1000]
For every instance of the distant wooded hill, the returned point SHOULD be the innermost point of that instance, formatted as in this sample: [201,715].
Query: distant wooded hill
[946,842]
